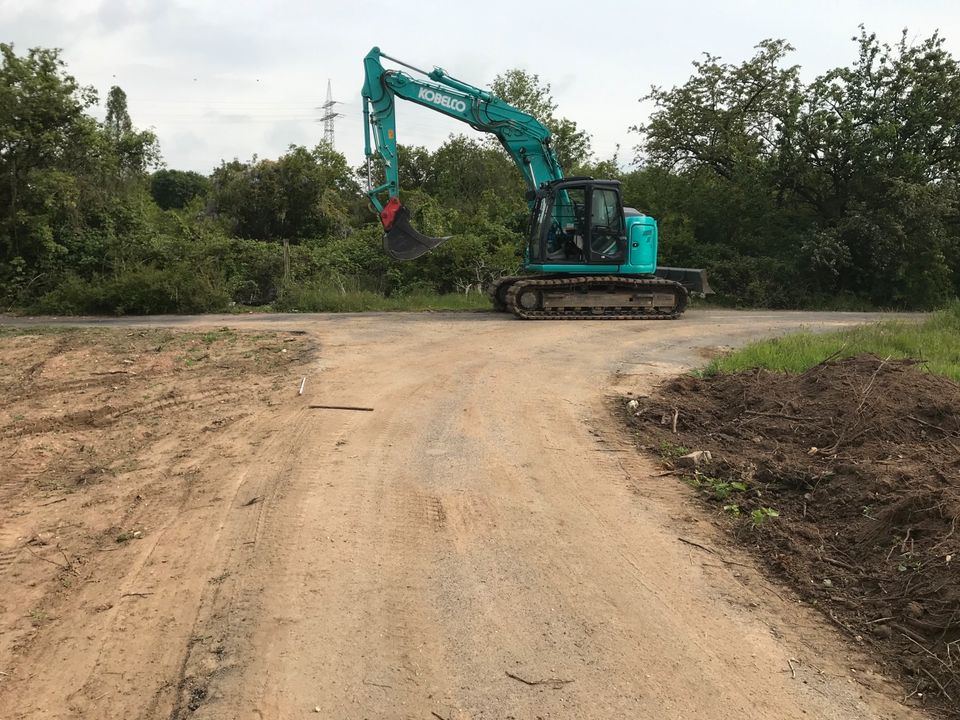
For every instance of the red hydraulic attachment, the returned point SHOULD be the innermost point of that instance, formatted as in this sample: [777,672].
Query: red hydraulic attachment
[389,212]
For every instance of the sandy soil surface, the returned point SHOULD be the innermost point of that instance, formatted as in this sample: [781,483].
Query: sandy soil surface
[182,535]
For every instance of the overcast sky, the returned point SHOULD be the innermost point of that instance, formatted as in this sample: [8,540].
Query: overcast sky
[230,79]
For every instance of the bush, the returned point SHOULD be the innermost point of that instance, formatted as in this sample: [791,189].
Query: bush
[142,290]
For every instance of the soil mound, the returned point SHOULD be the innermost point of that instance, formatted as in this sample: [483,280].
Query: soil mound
[846,480]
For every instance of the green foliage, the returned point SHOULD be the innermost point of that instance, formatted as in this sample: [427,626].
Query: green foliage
[41,114]
[465,175]
[725,118]
[142,290]
[759,516]
[135,151]
[175,189]
[118,122]
[846,186]
[720,489]
[671,451]
[303,194]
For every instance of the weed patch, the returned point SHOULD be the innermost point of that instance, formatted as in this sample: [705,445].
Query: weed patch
[935,341]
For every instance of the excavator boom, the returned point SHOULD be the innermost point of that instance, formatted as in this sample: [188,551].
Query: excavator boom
[525,139]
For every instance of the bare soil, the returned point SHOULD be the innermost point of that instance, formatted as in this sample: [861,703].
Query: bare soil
[183,535]
[102,439]
[861,459]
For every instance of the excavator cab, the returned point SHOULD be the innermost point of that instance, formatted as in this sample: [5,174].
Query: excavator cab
[577,222]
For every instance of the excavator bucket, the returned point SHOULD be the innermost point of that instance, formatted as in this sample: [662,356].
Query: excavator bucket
[402,242]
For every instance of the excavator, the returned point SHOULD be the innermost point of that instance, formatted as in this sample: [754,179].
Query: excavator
[586,256]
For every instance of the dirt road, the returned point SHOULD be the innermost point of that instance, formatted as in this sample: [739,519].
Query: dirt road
[484,544]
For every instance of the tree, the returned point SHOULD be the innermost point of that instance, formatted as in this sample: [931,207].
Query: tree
[118,121]
[414,168]
[414,165]
[42,132]
[303,194]
[726,117]
[877,156]
[175,189]
[524,90]
[462,170]
[848,181]
[136,150]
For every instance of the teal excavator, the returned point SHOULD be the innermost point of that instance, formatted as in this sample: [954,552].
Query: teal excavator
[586,256]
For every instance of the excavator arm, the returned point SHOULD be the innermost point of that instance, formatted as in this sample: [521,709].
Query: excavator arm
[525,139]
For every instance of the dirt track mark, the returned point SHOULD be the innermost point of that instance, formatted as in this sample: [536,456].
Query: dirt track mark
[435,512]
[109,414]
[84,418]
[250,532]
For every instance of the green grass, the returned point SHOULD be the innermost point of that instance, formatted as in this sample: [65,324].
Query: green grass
[671,451]
[935,340]
[322,299]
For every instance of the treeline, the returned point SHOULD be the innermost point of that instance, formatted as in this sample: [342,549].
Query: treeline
[845,187]
[842,191]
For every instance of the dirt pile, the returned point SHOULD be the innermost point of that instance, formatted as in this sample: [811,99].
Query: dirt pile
[846,481]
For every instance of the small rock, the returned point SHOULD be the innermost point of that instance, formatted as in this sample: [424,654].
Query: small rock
[694,459]
[883,631]
[828,583]
[633,405]
[914,609]
[317,709]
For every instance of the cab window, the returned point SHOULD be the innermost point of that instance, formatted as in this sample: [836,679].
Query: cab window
[565,237]
[607,240]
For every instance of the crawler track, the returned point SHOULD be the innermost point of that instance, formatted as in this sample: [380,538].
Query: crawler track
[591,297]
[497,291]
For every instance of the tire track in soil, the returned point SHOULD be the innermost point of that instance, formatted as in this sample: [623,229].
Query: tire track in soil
[109,414]
[346,518]
[250,532]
